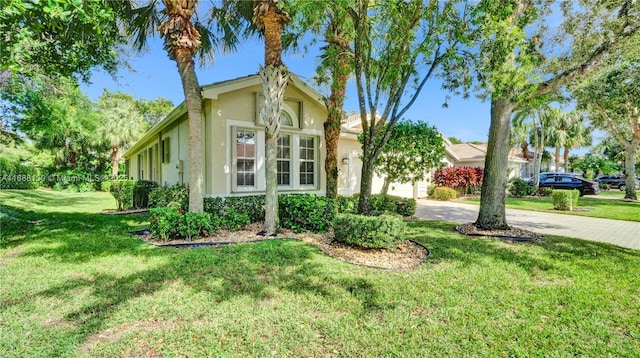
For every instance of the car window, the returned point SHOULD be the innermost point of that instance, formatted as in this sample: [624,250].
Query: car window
[565,179]
[548,180]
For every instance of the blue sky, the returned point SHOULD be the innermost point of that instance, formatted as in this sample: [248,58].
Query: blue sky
[157,76]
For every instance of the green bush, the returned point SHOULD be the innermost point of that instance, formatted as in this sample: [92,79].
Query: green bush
[406,206]
[382,203]
[105,186]
[519,188]
[164,222]
[384,231]
[545,191]
[430,189]
[444,193]
[17,176]
[141,190]
[252,205]
[171,223]
[605,186]
[347,204]
[234,220]
[306,212]
[176,196]
[122,191]
[565,200]
[194,225]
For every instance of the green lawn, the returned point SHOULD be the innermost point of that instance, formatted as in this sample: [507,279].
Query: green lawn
[74,283]
[588,205]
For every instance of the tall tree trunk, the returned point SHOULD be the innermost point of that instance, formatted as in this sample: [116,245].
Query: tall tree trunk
[557,158]
[339,77]
[115,157]
[274,82]
[630,152]
[565,156]
[492,215]
[542,145]
[366,180]
[386,185]
[536,165]
[193,99]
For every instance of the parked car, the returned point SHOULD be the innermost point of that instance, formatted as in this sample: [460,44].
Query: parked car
[545,175]
[615,181]
[569,181]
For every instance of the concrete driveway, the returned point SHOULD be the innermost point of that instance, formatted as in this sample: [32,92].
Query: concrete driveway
[617,232]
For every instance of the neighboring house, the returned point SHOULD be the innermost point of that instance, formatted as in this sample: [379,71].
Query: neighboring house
[473,155]
[234,141]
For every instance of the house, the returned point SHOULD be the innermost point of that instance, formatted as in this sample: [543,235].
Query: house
[233,141]
[473,155]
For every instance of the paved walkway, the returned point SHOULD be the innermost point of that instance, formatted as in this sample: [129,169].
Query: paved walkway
[617,232]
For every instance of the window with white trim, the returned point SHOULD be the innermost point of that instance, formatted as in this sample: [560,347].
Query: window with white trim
[245,159]
[284,160]
[307,160]
[140,166]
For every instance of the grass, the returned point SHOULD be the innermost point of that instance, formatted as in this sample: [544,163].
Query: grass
[590,206]
[75,283]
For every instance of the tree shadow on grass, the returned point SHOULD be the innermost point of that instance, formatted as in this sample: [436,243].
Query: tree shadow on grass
[254,270]
[446,244]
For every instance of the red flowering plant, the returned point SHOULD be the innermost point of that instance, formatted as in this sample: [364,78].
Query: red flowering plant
[462,179]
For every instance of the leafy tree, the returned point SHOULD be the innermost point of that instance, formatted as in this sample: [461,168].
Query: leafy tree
[121,123]
[612,99]
[513,67]
[154,110]
[64,37]
[331,20]
[412,150]
[397,43]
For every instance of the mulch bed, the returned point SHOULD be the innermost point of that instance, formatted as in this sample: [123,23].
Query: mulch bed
[406,256]
[513,234]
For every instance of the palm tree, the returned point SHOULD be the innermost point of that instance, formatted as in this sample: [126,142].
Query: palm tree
[121,123]
[184,37]
[578,135]
[537,112]
[270,20]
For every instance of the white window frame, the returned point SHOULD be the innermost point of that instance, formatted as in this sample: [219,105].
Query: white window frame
[290,160]
[316,146]
[234,172]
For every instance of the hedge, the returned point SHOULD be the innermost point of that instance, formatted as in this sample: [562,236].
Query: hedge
[444,193]
[384,231]
[17,176]
[565,200]
[306,212]
[131,193]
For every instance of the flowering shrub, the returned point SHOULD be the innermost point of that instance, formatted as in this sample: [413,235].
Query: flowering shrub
[444,193]
[459,178]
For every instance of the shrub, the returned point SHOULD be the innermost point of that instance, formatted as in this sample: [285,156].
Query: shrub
[17,176]
[459,178]
[519,188]
[176,196]
[122,191]
[105,186]
[347,204]
[380,203]
[193,225]
[444,193]
[300,212]
[604,186]
[252,206]
[141,189]
[546,191]
[85,187]
[384,231]
[234,220]
[430,189]
[165,222]
[565,200]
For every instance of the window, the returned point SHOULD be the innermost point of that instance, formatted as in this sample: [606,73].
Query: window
[307,161]
[245,158]
[284,160]
[285,119]
[140,166]
[165,150]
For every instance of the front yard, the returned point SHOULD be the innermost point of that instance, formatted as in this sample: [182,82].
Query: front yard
[74,282]
[588,205]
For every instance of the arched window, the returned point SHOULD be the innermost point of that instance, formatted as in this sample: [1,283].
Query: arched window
[285,119]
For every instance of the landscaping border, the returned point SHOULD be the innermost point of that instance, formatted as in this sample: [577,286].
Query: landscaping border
[535,238]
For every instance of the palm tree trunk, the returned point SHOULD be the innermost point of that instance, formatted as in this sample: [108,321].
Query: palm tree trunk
[557,158]
[565,156]
[274,82]
[115,157]
[492,215]
[193,99]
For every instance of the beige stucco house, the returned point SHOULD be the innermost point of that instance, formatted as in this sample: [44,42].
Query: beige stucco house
[233,140]
[473,155]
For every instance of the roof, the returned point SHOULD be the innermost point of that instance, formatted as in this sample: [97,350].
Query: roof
[469,152]
[211,91]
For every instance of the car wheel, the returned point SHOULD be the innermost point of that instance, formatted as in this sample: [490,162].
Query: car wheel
[622,187]
[581,193]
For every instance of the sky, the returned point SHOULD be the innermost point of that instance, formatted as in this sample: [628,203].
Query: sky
[155,75]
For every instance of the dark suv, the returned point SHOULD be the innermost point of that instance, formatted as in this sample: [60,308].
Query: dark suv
[569,181]
[614,181]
